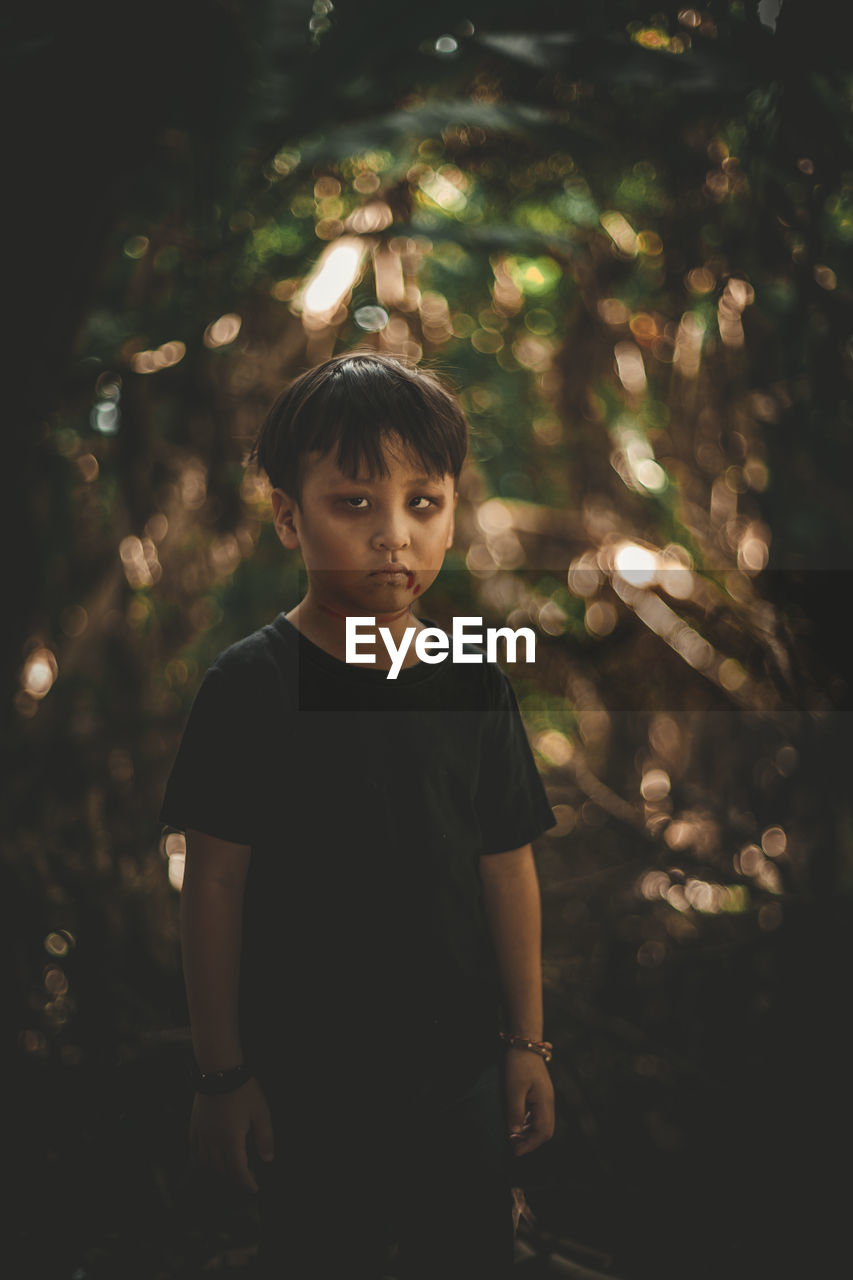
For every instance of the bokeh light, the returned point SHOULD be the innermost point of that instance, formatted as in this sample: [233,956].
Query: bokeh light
[333,277]
[222,332]
[39,672]
[636,564]
[163,357]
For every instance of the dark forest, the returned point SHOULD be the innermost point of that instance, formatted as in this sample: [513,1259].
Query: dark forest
[624,233]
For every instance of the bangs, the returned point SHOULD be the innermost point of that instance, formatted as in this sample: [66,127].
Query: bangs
[349,408]
[355,424]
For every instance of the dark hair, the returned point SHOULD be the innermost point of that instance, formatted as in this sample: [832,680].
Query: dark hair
[354,402]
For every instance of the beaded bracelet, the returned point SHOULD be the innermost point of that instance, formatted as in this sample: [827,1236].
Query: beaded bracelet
[543,1047]
[214,1083]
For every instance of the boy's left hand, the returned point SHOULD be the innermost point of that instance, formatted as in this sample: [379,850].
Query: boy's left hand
[530,1100]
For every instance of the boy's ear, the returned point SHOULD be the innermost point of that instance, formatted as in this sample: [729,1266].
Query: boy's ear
[283,510]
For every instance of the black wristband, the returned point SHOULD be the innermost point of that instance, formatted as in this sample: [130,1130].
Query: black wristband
[211,1083]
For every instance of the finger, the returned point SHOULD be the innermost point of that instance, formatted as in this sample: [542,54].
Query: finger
[516,1111]
[262,1135]
[540,1131]
[530,1141]
[519,1134]
[525,1145]
[245,1178]
[238,1167]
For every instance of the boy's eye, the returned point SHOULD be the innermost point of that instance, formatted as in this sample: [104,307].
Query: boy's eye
[420,503]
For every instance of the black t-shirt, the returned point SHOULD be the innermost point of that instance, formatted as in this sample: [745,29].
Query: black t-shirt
[367,803]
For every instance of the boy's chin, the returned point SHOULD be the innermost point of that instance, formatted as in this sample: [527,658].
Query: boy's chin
[390,598]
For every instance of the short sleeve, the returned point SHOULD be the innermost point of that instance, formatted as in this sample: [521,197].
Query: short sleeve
[512,806]
[214,783]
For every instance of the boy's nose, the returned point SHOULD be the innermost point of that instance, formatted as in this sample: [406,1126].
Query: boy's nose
[391,536]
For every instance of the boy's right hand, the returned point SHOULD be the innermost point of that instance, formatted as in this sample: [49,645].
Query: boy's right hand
[220,1126]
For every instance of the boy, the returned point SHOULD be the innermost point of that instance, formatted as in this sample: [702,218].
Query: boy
[360,900]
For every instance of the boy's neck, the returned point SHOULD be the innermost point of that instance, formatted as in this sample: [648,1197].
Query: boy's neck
[325,626]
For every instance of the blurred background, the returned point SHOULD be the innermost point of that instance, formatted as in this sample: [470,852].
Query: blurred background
[624,232]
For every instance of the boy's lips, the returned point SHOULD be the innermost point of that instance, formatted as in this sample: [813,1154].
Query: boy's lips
[392,572]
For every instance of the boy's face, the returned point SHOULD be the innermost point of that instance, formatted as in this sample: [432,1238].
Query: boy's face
[370,546]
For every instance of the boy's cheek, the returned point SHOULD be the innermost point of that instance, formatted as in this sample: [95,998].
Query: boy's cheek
[424,580]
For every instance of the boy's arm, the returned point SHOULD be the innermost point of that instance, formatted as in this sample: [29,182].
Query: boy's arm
[211,937]
[513,912]
[512,906]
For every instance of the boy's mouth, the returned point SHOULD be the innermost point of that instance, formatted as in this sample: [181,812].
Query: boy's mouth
[394,573]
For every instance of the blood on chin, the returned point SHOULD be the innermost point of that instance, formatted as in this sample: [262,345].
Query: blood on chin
[390,599]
